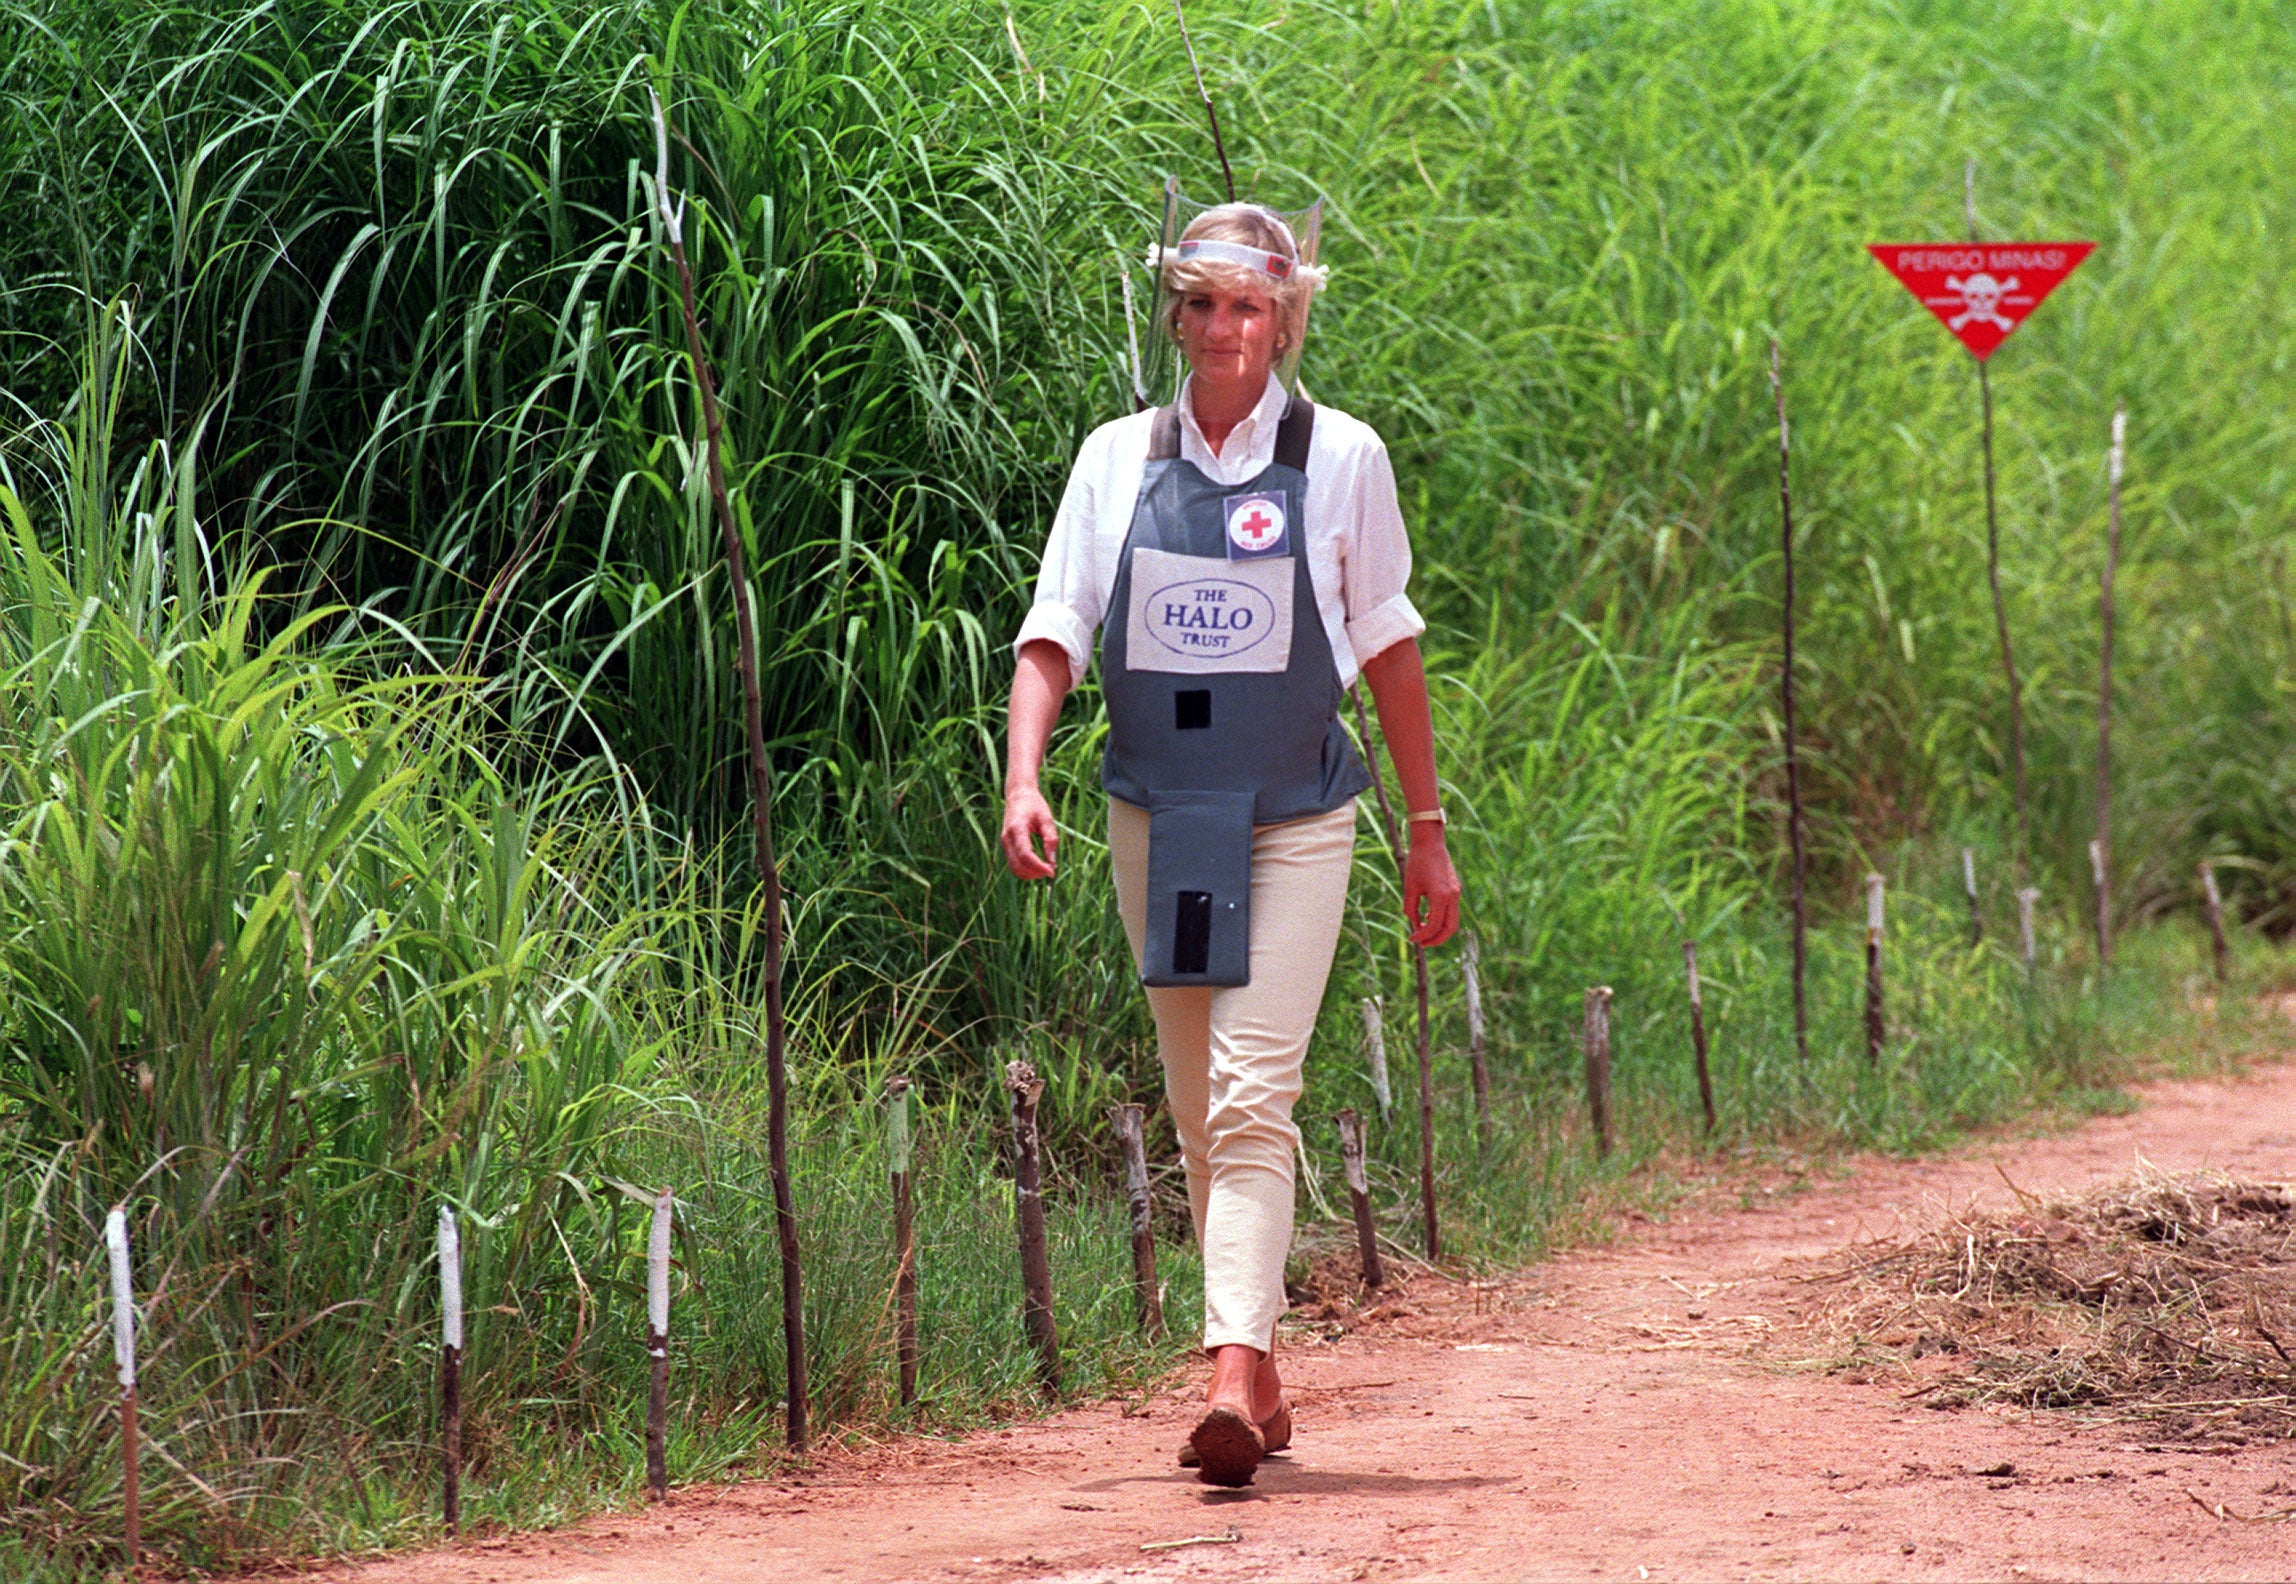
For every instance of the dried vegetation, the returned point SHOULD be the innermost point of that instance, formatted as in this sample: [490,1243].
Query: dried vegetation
[2165,1298]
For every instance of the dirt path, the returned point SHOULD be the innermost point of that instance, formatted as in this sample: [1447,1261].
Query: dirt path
[1617,1413]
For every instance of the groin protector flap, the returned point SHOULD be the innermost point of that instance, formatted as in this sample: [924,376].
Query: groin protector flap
[1199,889]
[1199,614]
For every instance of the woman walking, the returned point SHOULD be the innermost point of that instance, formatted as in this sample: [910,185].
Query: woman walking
[1244,559]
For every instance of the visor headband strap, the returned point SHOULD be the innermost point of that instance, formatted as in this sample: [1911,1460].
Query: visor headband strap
[1207,251]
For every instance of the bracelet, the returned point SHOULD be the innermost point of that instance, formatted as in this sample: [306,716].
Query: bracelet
[1434,816]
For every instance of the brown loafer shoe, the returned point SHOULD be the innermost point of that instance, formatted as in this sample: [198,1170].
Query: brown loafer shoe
[1275,1434]
[1228,1448]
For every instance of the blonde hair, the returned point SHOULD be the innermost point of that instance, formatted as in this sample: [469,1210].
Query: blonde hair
[1252,226]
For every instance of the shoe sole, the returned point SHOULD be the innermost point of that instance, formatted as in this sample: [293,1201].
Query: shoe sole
[1228,1448]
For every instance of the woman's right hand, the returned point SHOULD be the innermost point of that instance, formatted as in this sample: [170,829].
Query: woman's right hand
[1028,822]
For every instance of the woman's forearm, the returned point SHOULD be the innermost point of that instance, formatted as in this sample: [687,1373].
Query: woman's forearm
[1039,686]
[1398,681]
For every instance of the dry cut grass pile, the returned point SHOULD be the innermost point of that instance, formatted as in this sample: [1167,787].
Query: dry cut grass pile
[2166,1298]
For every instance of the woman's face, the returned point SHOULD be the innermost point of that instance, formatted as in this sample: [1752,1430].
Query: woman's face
[1229,334]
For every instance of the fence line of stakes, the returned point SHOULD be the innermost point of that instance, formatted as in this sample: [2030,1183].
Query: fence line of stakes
[2212,903]
[1597,1041]
[658,1349]
[1028,1219]
[450,1370]
[899,1150]
[124,1357]
[1471,982]
[1876,1027]
[1698,1031]
[1359,1195]
[1131,1122]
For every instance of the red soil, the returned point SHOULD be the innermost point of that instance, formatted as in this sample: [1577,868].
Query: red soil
[1633,1412]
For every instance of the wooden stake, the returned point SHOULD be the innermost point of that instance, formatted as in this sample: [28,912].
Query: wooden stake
[658,1350]
[761,801]
[1698,1031]
[1598,1065]
[1794,835]
[1419,985]
[1130,1123]
[1969,889]
[1028,1216]
[1876,1030]
[2212,901]
[898,1151]
[2101,850]
[124,1356]
[2026,897]
[1359,1191]
[1472,971]
[1993,561]
[450,1367]
[1375,1045]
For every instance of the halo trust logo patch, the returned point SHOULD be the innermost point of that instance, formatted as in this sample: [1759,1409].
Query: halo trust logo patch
[1259,525]
[1210,617]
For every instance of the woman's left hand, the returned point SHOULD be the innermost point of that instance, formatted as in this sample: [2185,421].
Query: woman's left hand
[1430,888]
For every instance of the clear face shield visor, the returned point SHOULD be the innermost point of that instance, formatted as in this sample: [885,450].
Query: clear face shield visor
[1162,366]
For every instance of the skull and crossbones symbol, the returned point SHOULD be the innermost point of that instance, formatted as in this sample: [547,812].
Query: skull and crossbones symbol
[1981,298]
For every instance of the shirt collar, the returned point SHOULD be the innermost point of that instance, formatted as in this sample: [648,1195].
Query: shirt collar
[1250,446]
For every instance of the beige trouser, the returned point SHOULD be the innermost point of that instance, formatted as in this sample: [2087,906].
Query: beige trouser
[1232,1056]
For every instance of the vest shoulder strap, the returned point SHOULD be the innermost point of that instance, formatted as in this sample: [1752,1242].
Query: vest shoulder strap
[1294,432]
[1164,435]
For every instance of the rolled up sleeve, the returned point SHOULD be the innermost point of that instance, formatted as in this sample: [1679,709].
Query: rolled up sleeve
[1377,562]
[1068,598]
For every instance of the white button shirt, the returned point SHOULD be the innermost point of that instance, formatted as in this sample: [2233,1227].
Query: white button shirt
[1358,555]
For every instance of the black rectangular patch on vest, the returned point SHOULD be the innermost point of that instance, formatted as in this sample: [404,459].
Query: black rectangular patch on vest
[1192,709]
[1192,932]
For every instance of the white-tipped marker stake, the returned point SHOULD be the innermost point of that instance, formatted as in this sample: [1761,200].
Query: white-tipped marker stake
[450,1365]
[1359,1195]
[1471,969]
[1698,1031]
[1375,1042]
[1148,1297]
[2213,900]
[1969,890]
[2026,897]
[1876,1030]
[658,1349]
[2101,850]
[1598,1064]
[899,1148]
[124,1354]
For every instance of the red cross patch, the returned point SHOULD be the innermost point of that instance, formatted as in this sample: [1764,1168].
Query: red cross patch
[1256,525]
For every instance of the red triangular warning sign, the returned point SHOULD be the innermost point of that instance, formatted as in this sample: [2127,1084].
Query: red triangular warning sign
[1980,291]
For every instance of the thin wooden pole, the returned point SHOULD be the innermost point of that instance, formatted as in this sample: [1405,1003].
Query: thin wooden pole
[761,802]
[1876,1028]
[1213,116]
[1130,1121]
[1473,978]
[2026,897]
[124,1356]
[1698,1031]
[658,1349]
[1969,889]
[2102,848]
[1028,1217]
[450,1367]
[1375,1047]
[1359,1192]
[1993,561]
[898,1153]
[1794,835]
[1597,1039]
[2212,900]
[1428,1228]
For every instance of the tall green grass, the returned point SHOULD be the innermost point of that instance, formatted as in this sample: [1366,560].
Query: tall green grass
[366,714]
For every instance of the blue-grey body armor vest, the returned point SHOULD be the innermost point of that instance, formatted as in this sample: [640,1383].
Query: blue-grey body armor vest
[1223,699]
